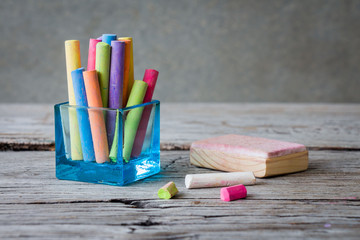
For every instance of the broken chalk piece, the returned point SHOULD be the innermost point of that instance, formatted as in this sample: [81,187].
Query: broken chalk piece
[168,191]
[236,153]
[219,179]
[232,193]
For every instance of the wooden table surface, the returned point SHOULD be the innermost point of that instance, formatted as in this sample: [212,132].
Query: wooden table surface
[322,202]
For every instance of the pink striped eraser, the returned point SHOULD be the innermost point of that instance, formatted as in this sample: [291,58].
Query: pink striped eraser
[237,153]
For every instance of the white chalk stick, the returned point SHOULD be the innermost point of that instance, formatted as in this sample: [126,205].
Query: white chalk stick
[219,179]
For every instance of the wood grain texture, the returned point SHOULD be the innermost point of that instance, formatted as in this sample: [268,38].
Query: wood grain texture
[317,126]
[27,127]
[260,166]
[322,202]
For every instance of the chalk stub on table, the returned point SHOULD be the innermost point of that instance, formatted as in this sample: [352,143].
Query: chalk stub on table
[232,193]
[236,153]
[208,180]
[168,191]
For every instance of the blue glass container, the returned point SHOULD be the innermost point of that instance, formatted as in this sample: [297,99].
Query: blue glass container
[117,171]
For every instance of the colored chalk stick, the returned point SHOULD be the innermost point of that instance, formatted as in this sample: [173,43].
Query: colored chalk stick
[102,66]
[206,180]
[107,38]
[126,72]
[236,153]
[115,143]
[96,116]
[131,64]
[116,74]
[115,86]
[82,114]
[233,193]
[73,61]
[133,117]
[150,77]
[147,143]
[92,54]
[168,191]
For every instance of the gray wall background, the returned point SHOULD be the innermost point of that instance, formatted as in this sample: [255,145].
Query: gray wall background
[248,51]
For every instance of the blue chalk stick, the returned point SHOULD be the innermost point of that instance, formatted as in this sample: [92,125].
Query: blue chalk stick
[107,38]
[87,145]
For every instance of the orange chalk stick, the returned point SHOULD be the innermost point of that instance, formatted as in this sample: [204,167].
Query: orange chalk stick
[131,66]
[96,116]
[127,64]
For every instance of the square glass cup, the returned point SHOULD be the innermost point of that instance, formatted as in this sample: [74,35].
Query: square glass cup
[82,150]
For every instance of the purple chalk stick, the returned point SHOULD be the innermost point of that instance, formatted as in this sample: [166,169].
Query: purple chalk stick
[115,85]
[116,74]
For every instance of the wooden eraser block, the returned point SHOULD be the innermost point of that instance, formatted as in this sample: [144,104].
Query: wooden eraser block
[237,153]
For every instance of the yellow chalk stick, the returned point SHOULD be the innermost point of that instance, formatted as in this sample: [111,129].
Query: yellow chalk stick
[73,62]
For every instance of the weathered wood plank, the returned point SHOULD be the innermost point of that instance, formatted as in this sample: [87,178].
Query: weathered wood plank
[321,202]
[248,219]
[26,127]
[29,177]
[329,126]
[324,126]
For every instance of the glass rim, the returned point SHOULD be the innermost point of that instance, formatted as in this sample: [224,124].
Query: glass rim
[66,104]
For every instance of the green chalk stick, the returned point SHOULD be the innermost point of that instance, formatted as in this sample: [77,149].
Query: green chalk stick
[114,146]
[168,191]
[133,117]
[102,66]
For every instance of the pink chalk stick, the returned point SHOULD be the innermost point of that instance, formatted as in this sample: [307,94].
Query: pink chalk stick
[92,54]
[232,193]
[249,146]
[150,77]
